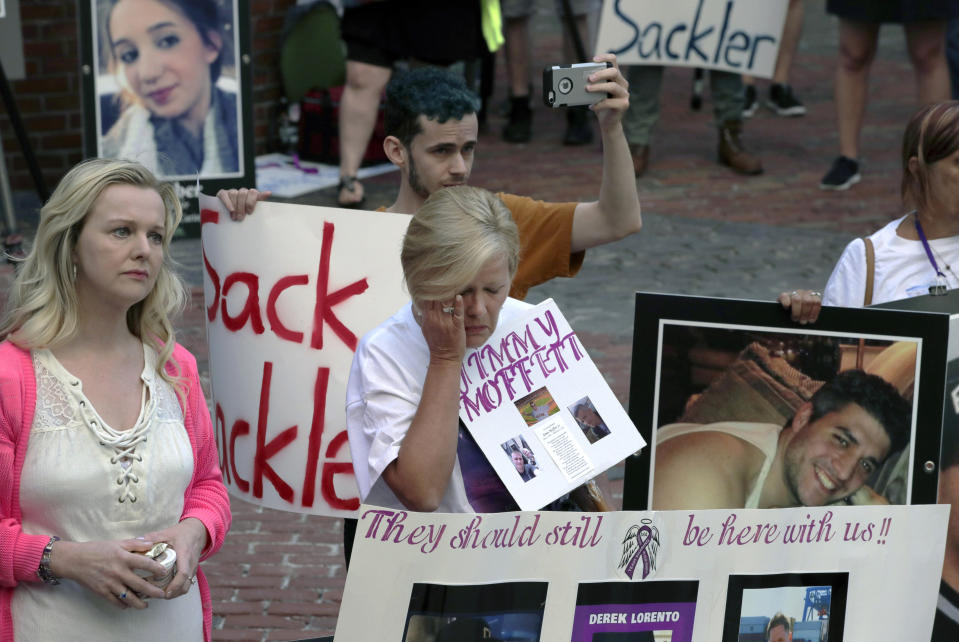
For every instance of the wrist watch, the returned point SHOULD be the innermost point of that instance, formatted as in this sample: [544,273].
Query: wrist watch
[43,571]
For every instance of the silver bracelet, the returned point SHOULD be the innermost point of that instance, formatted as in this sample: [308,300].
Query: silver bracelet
[43,571]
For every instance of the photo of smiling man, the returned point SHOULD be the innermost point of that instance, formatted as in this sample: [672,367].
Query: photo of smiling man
[824,454]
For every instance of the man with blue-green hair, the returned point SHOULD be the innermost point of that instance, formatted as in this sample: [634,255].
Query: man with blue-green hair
[432,132]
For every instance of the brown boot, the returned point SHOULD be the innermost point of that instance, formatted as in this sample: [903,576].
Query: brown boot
[732,152]
[640,154]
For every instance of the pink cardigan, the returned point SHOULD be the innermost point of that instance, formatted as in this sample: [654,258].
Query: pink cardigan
[205,499]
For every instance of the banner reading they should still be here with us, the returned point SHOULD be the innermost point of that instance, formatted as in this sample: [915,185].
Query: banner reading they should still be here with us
[740,36]
[288,294]
[848,573]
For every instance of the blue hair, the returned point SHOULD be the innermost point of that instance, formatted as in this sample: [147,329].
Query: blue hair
[435,93]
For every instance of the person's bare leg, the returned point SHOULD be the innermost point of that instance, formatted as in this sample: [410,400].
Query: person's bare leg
[516,34]
[926,43]
[788,44]
[519,126]
[358,107]
[792,31]
[569,49]
[857,48]
[579,127]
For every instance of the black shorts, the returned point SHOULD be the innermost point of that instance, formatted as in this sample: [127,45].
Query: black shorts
[877,11]
[439,32]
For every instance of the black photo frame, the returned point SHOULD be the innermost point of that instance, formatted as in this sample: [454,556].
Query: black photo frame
[836,583]
[102,83]
[657,313]
[475,611]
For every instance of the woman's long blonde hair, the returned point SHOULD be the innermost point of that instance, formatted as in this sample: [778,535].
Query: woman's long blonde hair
[43,309]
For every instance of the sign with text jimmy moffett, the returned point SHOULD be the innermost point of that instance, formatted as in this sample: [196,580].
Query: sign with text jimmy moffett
[740,36]
[681,576]
[289,292]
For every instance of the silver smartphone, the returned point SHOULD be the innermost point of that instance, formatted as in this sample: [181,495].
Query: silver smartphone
[565,85]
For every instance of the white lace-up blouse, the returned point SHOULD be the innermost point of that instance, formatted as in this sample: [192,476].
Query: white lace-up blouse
[85,481]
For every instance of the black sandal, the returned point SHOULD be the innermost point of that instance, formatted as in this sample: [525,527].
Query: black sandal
[348,183]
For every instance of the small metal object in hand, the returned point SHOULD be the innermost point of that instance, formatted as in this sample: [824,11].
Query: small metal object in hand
[165,555]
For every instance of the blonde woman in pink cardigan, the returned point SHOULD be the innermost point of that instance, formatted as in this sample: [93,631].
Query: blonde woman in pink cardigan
[106,444]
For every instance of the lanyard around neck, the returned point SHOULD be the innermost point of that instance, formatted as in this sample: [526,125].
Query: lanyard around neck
[925,245]
[940,286]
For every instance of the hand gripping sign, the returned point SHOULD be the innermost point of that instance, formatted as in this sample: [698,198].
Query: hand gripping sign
[289,292]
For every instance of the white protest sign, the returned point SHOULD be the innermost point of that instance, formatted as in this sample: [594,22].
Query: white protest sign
[533,388]
[688,576]
[740,36]
[289,291]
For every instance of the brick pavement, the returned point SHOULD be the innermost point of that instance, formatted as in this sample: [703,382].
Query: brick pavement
[707,232]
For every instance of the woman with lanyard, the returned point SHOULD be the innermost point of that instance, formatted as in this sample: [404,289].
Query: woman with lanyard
[914,254]
[911,256]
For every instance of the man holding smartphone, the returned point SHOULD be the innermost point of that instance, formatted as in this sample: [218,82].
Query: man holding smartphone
[432,131]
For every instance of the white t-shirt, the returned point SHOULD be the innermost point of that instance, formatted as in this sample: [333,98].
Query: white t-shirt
[383,393]
[902,268]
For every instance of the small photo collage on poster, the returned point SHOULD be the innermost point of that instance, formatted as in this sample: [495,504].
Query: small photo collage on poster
[522,456]
[589,420]
[536,406]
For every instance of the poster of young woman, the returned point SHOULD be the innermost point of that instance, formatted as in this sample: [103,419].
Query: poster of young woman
[167,83]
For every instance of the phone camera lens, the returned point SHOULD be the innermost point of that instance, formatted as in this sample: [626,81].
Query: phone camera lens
[565,86]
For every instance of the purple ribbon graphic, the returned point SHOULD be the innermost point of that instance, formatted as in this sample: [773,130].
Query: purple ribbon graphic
[641,552]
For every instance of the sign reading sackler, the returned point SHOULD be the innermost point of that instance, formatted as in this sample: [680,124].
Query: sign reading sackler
[740,36]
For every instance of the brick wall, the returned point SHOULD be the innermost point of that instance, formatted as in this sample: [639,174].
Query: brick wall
[49,96]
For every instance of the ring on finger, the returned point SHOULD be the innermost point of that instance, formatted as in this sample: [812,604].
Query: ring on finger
[448,310]
[193,579]
[122,596]
[818,295]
